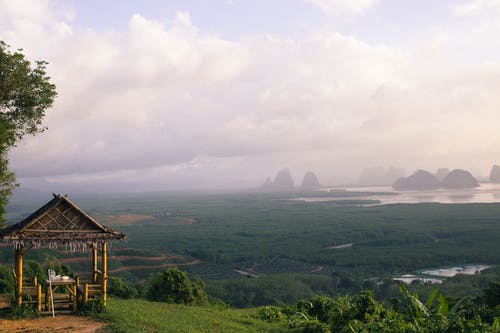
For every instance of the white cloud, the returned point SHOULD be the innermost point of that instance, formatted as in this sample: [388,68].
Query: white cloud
[335,7]
[475,7]
[166,102]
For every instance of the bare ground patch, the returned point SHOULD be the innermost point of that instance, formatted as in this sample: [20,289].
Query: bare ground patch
[185,220]
[59,324]
[121,258]
[136,267]
[124,218]
[46,324]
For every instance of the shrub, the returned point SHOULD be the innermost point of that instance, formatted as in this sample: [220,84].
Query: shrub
[92,307]
[315,327]
[23,311]
[271,314]
[119,288]
[199,293]
[173,286]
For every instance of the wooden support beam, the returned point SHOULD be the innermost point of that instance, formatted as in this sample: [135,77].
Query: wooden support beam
[18,268]
[74,298]
[94,264]
[85,293]
[104,272]
[39,297]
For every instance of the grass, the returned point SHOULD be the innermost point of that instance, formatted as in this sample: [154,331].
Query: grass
[143,316]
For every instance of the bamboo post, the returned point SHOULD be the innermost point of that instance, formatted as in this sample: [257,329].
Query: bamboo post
[74,298]
[19,276]
[85,293]
[104,272]
[39,297]
[94,263]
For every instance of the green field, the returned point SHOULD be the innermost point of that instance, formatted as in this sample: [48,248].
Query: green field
[143,316]
[252,249]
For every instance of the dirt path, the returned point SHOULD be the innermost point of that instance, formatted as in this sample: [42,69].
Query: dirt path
[121,258]
[136,267]
[46,324]
[59,324]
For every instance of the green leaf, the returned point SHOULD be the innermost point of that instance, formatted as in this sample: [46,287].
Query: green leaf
[431,298]
[442,307]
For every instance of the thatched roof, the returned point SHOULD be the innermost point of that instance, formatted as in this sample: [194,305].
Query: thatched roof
[58,223]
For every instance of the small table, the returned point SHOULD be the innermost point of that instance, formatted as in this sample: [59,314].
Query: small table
[64,283]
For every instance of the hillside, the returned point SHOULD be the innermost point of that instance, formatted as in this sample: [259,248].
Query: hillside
[143,316]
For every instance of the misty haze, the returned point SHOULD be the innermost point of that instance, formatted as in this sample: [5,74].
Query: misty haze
[250,166]
[175,99]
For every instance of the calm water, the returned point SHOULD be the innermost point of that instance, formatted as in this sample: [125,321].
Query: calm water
[485,193]
[439,273]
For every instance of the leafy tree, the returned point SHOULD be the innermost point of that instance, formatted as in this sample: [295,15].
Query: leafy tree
[492,294]
[25,95]
[173,286]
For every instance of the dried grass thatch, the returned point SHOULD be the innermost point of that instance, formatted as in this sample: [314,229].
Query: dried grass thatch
[59,223]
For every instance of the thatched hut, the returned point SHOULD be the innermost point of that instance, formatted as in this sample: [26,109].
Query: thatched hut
[60,223]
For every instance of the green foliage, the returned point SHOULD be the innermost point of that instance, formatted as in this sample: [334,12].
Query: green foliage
[119,288]
[362,313]
[91,308]
[283,237]
[173,286]
[23,311]
[59,268]
[491,295]
[289,244]
[7,180]
[199,293]
[33,268]
[25,95]
[131,316]
[272,289]
[315,327]
[6,280]
[271,313]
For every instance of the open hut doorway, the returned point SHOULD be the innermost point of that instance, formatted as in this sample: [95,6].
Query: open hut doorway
[60,223]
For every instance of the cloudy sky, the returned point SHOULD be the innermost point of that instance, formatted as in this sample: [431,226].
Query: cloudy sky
[223,93]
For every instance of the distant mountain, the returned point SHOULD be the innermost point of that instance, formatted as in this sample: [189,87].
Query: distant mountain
[441,173]
[282,182]
[424,180]
[380,176]
[268,184]
[420,180]
[495,174]
[459,179]
[310,181]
